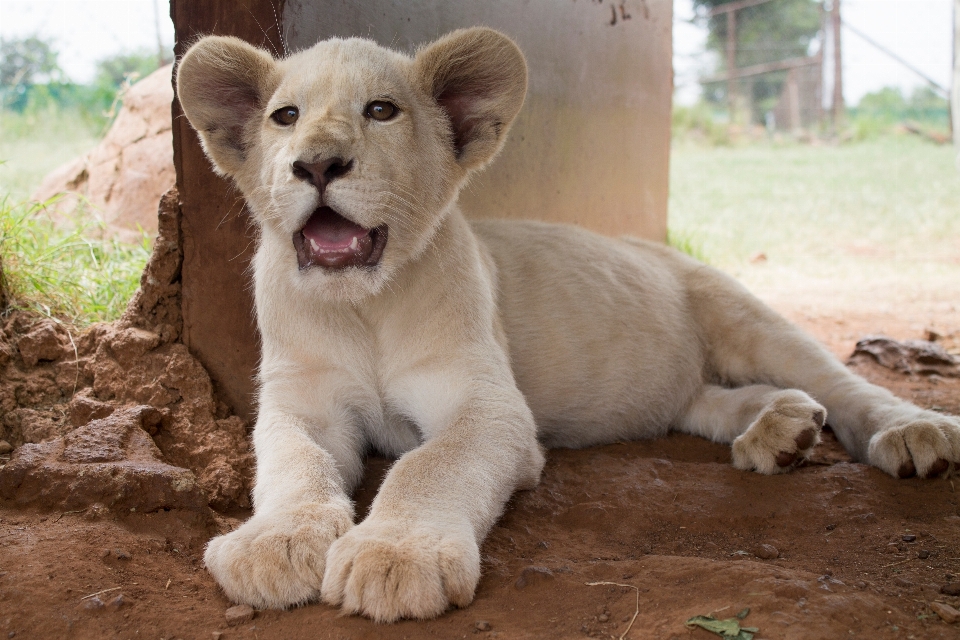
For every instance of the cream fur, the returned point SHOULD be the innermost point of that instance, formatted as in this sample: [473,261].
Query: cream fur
[469,345]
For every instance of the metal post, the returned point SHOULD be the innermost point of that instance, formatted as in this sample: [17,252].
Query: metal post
[731,62]
[838,110]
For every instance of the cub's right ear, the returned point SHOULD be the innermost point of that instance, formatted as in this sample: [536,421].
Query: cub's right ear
[223,84]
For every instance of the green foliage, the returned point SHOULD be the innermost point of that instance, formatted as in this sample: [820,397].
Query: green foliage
[33,83]
[889,106]
[64,272]
[23,63]
[687,242]
[699,122]
[768,32]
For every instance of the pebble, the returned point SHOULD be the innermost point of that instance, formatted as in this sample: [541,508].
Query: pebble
[603,617]
[5,447]
[951,589]
[909,538]
[217,635]
[117,602]
[93,604]
[239,614]
[766,552]
[121,554]
[923,554]
[533,575]
[947,613]
[482,625]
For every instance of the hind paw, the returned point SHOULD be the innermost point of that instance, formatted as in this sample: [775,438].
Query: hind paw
[783,435]
[926,445]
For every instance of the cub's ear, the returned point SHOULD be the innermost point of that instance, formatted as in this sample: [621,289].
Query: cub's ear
[223,84]
[479,77]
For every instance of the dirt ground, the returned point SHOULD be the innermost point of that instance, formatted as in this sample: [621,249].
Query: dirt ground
[855,553]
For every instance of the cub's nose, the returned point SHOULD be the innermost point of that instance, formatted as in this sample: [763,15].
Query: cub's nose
[321,173]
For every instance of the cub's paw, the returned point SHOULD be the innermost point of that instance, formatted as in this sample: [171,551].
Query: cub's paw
[785,433]
[277,559]
[925,445]
[387,570]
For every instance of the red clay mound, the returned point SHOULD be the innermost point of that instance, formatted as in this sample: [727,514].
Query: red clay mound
[124,176]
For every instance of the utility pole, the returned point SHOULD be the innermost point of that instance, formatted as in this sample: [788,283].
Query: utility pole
[731,62]
[838,111]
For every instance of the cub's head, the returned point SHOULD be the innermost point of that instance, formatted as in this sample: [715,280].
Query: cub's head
[349,154]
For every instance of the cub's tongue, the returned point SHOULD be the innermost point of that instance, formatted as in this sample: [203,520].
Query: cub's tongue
[330,240]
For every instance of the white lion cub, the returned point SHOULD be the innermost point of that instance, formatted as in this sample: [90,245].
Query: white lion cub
[390,323]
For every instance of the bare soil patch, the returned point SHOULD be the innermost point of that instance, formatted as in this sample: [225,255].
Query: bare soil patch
[834,549]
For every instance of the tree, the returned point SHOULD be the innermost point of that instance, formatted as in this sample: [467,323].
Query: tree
[24,62]
[768,32]
[117,69]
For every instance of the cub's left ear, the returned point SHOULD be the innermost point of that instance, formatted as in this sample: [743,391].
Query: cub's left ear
[479,77]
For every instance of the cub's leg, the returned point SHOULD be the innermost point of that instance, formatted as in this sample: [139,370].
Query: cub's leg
[748,343]
[419,548]
[277,558]
[770,428]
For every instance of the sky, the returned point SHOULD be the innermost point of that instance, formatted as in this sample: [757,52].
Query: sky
[921,31]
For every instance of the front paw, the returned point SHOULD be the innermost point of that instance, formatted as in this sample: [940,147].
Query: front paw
[923,444]
[783,435]
[277,559]
[389,570]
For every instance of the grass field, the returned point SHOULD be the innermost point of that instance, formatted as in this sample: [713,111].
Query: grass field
[58,268]
[865,233]
[32,145]
[896,198]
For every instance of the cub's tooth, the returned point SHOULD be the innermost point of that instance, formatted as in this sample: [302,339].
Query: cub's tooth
[353,244]
[314,245]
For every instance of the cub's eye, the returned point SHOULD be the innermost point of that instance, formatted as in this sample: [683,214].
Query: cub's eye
[381,110]
[285,116]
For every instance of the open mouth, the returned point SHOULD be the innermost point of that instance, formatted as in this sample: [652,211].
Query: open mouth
[331,241]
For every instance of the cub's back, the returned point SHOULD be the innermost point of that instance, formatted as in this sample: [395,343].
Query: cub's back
[600,335]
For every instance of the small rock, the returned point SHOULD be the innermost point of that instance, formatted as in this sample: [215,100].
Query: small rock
[217,635]
[121,554]
[116,603]
[96,511]
[42,343]
[603,617]
[543,544]
[947,613]
[923,554]
[909,538]
[482,625]
[93,604]
[533,575]
[951,589]
[902,582]
[831,527]
[239,614]
[766,552]
[5,447]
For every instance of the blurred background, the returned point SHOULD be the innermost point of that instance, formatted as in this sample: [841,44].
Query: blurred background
[812,154]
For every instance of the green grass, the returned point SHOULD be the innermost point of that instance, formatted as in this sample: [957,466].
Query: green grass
[35,143]
[894,200]
[66,272]
[66,269]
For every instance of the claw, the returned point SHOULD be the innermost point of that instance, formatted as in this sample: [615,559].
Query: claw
[786,458]
[938,468]
[907,470]
[806,438]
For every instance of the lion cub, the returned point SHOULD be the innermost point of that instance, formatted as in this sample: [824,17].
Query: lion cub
[391,323]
